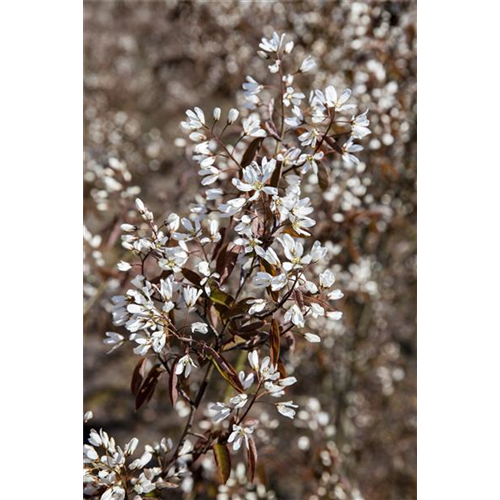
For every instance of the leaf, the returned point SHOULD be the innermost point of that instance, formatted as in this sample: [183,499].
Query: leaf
[227,372]
[172,383]
[223,461]
[148,387]
[275,178]
[191,276]
[252,459]
[275,342]
[251,151]
[138,376]
[323,177]
[226,260]
[217,296]
[334,144]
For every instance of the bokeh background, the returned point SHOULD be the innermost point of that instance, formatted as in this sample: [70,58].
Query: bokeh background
[145,64]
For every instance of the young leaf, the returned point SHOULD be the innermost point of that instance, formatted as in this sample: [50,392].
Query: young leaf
[251,151]
[275,342]
[323,177]
[148,387]
[138,376]
[191,276]
[223,461]
[172,383]
[252,459]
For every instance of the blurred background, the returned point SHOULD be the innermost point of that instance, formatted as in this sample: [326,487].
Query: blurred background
[145,64]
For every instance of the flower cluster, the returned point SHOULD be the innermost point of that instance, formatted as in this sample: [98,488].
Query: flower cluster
[237,273]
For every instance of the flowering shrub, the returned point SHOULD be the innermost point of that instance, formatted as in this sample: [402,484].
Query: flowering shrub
[230,287]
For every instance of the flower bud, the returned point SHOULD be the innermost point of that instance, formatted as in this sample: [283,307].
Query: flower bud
[232,116]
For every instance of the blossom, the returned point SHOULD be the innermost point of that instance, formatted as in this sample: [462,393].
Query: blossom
[292,97]
[263,279]
[252,128]
[191,295]
[294,253]
[232,116]
[273,44]
[184,365]
[222,411]
[286,408]
[257,305]
[196,119]
[307,64]
[113,339]
[347,149]
[309,161]
[173,260]
[294,314]
[309,138]
[326,279]
[359,126]
[240,435]
[331,100]
[255,178]
[199,327]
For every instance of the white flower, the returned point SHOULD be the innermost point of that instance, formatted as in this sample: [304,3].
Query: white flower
[239,401]
[232,207]
[184,366]
[269,255]
[297,120]
[309,162]
[311,337]
[258,305]
[294,314]
[217,113]
[286,408]
[263,279]
[347,149]
[360,125]
[294,253]
[292,97]
[128,228]
[174,259]
[222,411]
[253,359]
[239,435]
[113,339]
[191,295]
[335,295]
[309,138]
[326,279]
[195,121]
[255,178]
[232,116]
[199,327]
[272,45]
[252,128]
[331,100]
[318,252]
[193,230]
[289,47]
[307,64]
[246,380]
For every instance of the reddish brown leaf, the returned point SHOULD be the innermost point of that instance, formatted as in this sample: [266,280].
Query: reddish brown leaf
[148,387]
[223,461]
[251,151]
[191,276]
[323,176]
[252,459]
[172,383]
[138,376]
[275,342]
[227,372]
